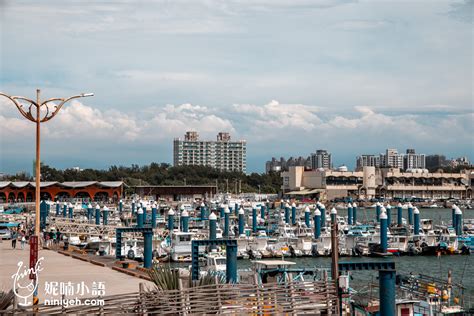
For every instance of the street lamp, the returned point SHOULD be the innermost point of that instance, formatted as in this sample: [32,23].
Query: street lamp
[43,114]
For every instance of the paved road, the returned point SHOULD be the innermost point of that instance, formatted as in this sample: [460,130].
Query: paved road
[60,268]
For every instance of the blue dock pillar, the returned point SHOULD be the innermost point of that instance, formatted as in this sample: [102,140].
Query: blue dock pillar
[262,211]
[212,228]
[254,220]
[70,211]
[307,220]
[236,209]
[241,221]
[333,215]
[153,216]
[133,208]
[388,208]
[148,249]
[58,209]
[65,209]
[140,221]
[221,211]
[323,216]
[399,215]
[105,219]
[416,226]
[231,265]
[317,223]
[387,292]
[89,212]
[458,221]
[354,213]
[349,214]
[287,213]
[453,214]
[97,214]
[410,214]
[120,206]
[203,211]
[377,211]
[185,221]
[226,222]
[43,213]
[293,214]
[383,232]
[170,220]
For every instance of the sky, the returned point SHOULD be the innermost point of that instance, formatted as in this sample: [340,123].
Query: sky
[288,76]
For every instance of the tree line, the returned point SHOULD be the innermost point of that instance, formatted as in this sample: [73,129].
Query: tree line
[165,174]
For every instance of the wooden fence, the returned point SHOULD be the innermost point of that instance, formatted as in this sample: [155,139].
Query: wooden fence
[317,297]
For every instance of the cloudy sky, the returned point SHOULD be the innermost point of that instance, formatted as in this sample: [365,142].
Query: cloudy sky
[289,76]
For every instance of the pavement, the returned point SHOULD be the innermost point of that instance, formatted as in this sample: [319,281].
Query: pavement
[63,274]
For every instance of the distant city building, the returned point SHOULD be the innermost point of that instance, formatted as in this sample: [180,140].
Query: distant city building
[391,159]
[222,154]
[275,165]
[367,161]
[411,160]
[434,162]
[321,159]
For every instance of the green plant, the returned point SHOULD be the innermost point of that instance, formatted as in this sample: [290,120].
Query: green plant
[164,278]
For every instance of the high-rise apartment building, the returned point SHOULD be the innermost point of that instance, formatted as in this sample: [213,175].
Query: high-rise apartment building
[222,154]
[391,159]
[275,165]
[321,159]
[367,161]
[412,160]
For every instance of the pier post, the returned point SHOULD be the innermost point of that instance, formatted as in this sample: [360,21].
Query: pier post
[236,209]
[105,219]
[334,247]
[148,249]
[65,209]
[231,264]
[317,223]
[241,221]
[410,214]
[212,228]
[354,213]
[226,221]
[170,220]
[97,214]
[349,214]
[383,231]
[140,217]
[70,211]
[388,208]
[153,216]
[323,216]
[377,211]
[185,221]
[89,212]
[203,211]
[458,221]
[254,220]
[287,213]
[387,292]
[262,212]
[133,208]
[453,214]
[293,214]
[399,215]
[416,226]
[120,206]
[221,212]
[144,207]
[307,220]
[43,214]
[58,209]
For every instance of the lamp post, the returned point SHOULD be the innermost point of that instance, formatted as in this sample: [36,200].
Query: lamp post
[28,112]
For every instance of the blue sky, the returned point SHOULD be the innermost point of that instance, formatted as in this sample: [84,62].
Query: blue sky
[352,77]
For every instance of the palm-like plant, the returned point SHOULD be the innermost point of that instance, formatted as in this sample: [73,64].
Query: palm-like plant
[6,299]
[164,277]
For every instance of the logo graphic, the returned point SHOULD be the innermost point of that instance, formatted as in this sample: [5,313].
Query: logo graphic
[23,286]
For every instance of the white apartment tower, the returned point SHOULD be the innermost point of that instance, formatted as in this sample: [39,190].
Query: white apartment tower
[321,159]
[222,154]
[391,159]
